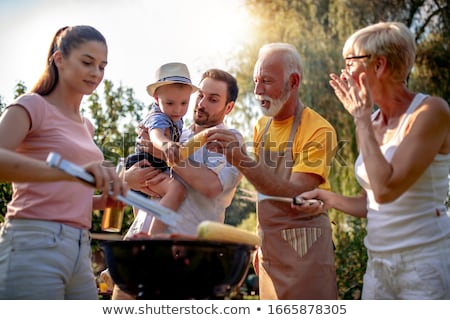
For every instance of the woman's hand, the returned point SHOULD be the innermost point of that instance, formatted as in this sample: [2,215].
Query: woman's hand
[354,94]
[109,182]
[313,207]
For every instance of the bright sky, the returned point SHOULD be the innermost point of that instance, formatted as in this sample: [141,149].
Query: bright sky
[141,35]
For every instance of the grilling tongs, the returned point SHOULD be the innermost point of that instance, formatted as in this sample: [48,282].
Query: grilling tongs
[132,198]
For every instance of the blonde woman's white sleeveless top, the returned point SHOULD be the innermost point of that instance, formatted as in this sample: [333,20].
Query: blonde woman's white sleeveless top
[418,216]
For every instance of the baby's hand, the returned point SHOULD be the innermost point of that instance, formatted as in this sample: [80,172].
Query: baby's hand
[172,152]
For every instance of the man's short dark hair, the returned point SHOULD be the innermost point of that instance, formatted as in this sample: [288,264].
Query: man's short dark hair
[224,76]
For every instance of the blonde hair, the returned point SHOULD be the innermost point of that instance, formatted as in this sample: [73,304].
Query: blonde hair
[292,59]
[390,39]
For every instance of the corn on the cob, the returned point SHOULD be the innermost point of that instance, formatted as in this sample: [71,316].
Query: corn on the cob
[192,145]
[215,231]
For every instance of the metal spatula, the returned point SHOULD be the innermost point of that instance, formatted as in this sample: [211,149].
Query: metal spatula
[257,196]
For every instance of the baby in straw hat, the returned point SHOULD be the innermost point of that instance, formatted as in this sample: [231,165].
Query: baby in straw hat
[171,90]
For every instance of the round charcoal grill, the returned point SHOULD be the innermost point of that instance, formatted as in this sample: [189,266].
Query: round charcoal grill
[177,268]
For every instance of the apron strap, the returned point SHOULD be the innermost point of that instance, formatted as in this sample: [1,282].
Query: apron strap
[295,125]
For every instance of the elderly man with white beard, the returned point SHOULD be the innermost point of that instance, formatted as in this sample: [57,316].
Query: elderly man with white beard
[293,150]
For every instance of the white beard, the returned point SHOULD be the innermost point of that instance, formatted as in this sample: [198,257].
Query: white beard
[275,104]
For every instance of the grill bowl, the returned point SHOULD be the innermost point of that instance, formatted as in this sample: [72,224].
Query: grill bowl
[177,268]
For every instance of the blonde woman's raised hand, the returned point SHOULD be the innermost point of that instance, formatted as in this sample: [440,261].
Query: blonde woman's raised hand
[354,94]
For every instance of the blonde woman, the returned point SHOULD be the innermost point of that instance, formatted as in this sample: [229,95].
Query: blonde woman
[403,167]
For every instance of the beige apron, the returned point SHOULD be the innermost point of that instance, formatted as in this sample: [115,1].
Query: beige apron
[296,258]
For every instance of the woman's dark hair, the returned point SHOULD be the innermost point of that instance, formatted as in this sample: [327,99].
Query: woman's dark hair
[224,76]
[65,39]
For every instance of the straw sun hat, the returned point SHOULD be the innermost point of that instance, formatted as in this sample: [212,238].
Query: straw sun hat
[169,73]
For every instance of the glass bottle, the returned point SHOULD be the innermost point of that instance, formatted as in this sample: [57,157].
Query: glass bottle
[113,217]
